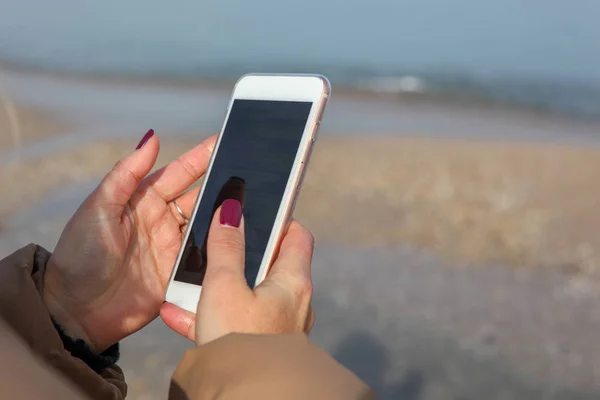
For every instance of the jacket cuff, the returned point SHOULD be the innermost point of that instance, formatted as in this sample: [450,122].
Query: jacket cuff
[284,366]
[80,349]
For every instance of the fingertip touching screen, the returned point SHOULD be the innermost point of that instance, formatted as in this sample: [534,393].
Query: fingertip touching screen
[253,164]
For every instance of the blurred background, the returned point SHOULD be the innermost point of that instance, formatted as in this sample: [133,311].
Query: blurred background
[453,193]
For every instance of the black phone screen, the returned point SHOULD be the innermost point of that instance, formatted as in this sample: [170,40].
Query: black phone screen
[253,164]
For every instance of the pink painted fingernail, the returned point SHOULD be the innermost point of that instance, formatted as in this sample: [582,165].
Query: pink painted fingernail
[145,139]
[231,213]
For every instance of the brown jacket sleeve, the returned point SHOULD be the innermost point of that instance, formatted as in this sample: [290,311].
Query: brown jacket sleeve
[24,312]
[24,376]
[234,367]
[264,367]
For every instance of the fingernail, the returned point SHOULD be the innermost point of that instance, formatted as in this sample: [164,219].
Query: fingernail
[145,139]
[231,213]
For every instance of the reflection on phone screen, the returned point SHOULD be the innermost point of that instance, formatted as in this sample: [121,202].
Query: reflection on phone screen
[253,164]
[196,257]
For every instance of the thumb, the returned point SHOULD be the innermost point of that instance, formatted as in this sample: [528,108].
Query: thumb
[122,181]
[226,247]
[180,320]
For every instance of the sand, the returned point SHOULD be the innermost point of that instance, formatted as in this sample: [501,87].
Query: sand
[523,205]
[476,202]
[22,124]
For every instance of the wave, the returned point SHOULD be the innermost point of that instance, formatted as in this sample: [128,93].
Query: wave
[556,96]
[566,98]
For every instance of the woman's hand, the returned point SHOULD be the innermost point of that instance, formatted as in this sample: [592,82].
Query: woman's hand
[107,276]
[280,304]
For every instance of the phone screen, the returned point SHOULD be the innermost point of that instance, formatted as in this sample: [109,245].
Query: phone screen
[253,164]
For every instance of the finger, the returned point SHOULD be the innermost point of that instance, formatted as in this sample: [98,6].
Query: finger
[226,246]
[180,320]
[180,174]
[310,320]
[122,181]
[186,203]
[295,254]
[181,219]
[291,271]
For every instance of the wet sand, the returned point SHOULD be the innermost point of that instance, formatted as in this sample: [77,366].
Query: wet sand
[447,267]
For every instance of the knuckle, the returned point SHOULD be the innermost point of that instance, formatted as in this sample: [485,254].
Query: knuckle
[304,234]
[219,273]
[228,243]
[306,245]
[302,289]
[302,240]
[119,166]
[189,167]
[309,238]
[209,144]
[123,173]
[190,329]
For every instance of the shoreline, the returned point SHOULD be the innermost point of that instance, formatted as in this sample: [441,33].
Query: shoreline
[124,107]
[417,99]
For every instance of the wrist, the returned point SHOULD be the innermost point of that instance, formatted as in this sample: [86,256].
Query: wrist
[80,349]
[69,324]
[76,317]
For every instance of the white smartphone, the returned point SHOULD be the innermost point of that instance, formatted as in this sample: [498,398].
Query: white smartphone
[259,159]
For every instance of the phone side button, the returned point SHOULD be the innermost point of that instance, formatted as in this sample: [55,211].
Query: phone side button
[316,133]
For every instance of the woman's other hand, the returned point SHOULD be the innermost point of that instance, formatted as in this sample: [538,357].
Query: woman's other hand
[280,304]
[107,276]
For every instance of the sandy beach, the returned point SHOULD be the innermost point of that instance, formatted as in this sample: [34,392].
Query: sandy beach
[522,205]
[454,265]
